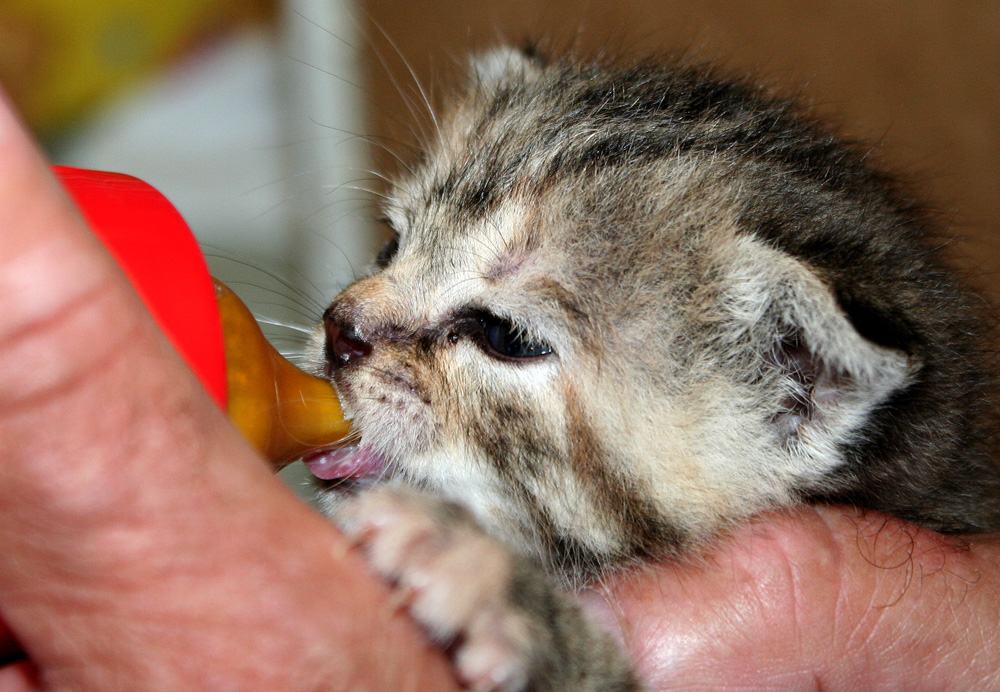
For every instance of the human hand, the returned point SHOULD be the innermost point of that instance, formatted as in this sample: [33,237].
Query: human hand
[144,546]
[815,599]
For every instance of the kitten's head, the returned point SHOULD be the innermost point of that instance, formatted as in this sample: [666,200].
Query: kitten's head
[624,306]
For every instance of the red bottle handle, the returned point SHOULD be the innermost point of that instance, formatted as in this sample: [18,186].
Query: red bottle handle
[154,246]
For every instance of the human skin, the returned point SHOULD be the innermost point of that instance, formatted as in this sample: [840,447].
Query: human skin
[144,546]
[820,598]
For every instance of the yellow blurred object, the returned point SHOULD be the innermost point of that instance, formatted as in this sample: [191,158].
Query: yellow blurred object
[61,57]
[284,413]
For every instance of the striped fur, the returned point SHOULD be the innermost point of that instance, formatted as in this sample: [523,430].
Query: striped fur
[743,313]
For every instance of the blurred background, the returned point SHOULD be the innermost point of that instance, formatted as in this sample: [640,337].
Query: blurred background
[244,113]
[268,122]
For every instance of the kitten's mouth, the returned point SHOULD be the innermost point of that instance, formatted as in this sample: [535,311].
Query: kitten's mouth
[347,464]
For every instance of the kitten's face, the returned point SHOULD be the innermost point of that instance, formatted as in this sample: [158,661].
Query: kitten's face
[576,338]
[499,372]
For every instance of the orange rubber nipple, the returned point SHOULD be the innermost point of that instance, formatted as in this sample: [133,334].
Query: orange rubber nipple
[284,412]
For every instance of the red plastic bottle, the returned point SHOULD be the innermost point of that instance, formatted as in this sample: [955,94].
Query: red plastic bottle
[284,412]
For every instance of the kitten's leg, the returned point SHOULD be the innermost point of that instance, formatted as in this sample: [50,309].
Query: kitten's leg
[511,628]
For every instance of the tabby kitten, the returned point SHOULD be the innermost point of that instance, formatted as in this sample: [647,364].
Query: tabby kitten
[627,306]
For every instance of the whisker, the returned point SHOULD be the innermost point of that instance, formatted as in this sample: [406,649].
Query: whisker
[296,310]
[421,136]
[300,297]
[372,140]
[285,325]
[413,74]
[361,88]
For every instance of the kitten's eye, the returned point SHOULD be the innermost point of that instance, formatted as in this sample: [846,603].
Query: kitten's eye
[387,252]
[505,340]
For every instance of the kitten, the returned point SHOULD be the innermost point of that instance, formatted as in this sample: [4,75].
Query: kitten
[626,307]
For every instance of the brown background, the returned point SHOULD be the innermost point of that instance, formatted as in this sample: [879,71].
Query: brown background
[922,79]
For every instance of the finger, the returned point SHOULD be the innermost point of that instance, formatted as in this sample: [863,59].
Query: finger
[62,301]
[19,677]
[10,650]
[139,530]
[818,598]
[41,230]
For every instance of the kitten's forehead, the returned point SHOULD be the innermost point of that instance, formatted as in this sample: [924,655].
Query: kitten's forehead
[550,169]
[489,247]
[496,144]
[447,263]
[546,140]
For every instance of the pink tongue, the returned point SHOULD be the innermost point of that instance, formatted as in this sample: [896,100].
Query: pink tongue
[347,462]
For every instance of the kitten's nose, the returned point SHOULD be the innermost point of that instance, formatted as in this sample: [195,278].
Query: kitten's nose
[343,343]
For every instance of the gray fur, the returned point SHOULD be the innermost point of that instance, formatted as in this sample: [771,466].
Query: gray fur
[743,314]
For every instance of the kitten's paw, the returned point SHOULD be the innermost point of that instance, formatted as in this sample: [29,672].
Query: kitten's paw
[509,627]
[455,580]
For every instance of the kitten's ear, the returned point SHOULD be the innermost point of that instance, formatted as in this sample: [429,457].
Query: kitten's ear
[830,376]
[490,68]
